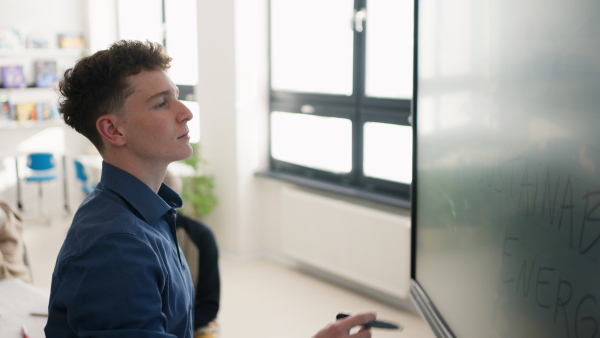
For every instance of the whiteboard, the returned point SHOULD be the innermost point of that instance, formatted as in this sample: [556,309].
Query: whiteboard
[507,166]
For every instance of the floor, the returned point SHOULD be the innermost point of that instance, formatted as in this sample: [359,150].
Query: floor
[260,298]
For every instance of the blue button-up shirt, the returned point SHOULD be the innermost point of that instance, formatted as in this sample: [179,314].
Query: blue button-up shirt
[120,272]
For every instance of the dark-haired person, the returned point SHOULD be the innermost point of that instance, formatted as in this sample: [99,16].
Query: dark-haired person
[120,271]
[193,233]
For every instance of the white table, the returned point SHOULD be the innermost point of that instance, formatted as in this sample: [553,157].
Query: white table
[18,300]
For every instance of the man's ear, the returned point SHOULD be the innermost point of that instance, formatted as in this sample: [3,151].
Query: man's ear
[108,127]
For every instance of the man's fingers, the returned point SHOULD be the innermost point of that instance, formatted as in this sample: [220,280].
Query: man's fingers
[355,320]
[362,334]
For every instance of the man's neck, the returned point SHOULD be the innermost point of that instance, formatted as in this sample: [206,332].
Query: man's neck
[150,173]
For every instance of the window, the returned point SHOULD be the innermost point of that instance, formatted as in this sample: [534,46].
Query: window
[341,85]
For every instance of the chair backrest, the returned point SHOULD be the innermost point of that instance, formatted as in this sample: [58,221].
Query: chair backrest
[86,188]
[40,161]
[80,171]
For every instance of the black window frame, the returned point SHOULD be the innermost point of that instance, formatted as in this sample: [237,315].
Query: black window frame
[357,107]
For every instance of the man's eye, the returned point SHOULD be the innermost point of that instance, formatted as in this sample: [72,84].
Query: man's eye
[162,104]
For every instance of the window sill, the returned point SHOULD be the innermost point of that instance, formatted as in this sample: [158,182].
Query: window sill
[346,191]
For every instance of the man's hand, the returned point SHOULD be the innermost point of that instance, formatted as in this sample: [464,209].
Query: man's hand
[342,327]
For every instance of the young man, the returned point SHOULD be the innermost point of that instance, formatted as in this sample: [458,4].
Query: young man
[120,272]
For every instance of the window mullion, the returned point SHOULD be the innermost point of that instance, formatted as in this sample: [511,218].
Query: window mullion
[359,87]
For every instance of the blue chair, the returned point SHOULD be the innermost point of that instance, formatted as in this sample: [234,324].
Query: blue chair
[86,187]
[41,167]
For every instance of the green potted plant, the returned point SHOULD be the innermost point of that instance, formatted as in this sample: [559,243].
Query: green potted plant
[197,191]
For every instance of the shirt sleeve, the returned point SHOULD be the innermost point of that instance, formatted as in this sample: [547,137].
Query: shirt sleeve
[114,289]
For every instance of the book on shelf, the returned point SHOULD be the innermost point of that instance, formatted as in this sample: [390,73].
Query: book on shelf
[35,111]
[46,111]
[71,40]
[13,76]
[5,109]
[45,73]
[25,112]
[37,42]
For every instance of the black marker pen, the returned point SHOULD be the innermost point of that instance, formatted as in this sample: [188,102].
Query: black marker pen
[376,323]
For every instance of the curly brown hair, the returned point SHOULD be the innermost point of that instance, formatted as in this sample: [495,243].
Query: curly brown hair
[97,85]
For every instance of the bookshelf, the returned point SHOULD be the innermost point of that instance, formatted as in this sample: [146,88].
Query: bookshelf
[24,107]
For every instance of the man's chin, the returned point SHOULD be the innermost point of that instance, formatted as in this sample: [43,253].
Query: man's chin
[187,154]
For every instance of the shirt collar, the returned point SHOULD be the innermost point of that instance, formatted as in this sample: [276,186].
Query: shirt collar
[148,204]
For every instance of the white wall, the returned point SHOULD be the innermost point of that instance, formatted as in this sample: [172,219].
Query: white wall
[101,23]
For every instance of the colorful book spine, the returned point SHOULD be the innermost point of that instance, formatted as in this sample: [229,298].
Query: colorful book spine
[13,76]
[45,73]
[5,109]
[25,112]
